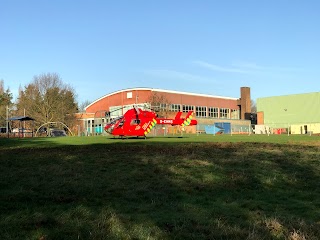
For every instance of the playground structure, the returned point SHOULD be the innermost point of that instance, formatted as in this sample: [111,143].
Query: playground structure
[20,129]
[53,129]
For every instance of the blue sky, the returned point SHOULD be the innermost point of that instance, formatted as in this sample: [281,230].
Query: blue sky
[209,46]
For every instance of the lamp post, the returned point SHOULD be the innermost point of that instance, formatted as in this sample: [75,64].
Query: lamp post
[287,120]
[7,121]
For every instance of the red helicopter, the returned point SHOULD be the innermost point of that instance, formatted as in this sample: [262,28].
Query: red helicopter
[138,122]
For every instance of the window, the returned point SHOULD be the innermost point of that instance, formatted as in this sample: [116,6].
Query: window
[234,114]
[135,122]
[224,112]
[175,107]
[129,94]
[115,111]
[213,112]
[201,111]
[187,108]
[163,106]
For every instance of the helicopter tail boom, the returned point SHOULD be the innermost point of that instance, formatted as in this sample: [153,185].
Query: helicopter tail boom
[178,120]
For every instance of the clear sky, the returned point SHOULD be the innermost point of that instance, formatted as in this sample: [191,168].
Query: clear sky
[201,46]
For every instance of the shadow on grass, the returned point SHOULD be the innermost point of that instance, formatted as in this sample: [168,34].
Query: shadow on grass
[160,191]
[25,142]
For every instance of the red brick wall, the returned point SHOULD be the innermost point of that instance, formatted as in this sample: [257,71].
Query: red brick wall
[119,99]
[245,101]
[260,118]
[200,100]
[141,96]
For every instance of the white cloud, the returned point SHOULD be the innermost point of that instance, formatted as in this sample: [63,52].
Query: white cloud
[248,65]
[245,68]
[221,68]
[171,74]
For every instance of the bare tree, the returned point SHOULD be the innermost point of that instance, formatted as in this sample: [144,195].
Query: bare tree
[1,86]
[253,106]
[83,105]
[159,103]
[48,99]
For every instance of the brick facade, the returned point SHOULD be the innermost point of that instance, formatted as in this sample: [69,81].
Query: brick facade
[139,95]
[95,112]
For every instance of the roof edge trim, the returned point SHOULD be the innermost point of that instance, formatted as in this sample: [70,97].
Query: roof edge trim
[158,90]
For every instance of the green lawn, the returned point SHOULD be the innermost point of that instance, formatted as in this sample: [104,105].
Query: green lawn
[195,187]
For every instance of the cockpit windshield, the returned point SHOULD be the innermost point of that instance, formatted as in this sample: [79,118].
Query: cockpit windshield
[115,120]
[111,125]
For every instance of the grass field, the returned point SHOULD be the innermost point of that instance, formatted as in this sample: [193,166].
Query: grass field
[195,187]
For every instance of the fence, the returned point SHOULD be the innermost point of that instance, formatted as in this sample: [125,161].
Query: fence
[286,128]
[232,128]
[224,128]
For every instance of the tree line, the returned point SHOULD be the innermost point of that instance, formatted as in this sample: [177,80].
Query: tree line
[46,99]
[5,103]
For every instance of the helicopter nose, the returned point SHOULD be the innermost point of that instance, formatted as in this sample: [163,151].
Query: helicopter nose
[109,128]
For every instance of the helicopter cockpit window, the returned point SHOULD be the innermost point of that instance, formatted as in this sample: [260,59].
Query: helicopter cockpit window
[135,122]
[113,121]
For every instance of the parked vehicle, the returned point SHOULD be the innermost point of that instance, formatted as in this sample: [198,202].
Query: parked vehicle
[57,133]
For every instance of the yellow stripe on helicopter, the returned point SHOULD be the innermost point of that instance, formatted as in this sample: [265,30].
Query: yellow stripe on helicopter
[151,125]
[187,121]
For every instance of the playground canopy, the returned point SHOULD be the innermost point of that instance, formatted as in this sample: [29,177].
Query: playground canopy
[22,130]
[21,119]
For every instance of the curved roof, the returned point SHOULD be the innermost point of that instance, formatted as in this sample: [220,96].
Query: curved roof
[159,90]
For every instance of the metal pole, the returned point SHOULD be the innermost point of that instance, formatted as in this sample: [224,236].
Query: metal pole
[7,125]
[100,129]
[24,123]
